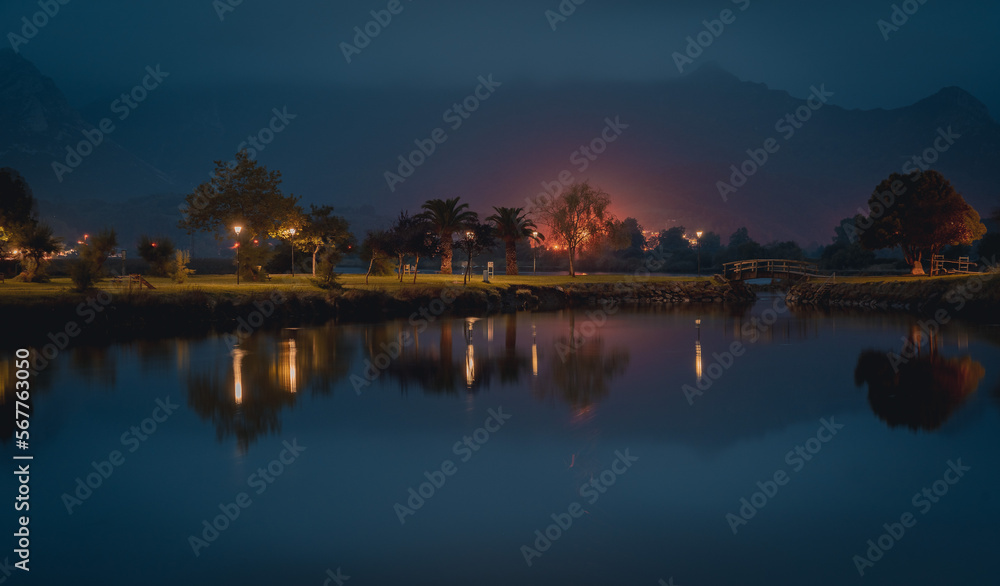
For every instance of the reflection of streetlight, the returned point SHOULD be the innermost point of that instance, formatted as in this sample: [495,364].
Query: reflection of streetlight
[698,234]
[470,354]
[534,352]
[292,242]
[238,375]
[238,229]
[697,351]
[534,254]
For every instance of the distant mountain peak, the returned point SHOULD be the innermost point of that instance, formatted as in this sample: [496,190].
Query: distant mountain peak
[955,100]
[710,71]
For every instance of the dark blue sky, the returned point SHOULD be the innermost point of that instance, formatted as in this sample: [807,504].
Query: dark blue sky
[92,48]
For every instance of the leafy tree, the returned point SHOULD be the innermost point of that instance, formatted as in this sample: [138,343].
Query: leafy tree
[577,217]
[412,236]
[511,226]
[321,230]
[179,271]
[377,248]
[846,251]
[921,213]
[477,239]
[36,243]
[787,250]
[447,217]
[245,194]
[88,268]
[710,243]
[158,252]
[742,246]
[740,237]
[673,240]
[18,208]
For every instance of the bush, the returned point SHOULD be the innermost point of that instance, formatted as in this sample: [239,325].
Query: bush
[84,274]
[179,271]
[159,253]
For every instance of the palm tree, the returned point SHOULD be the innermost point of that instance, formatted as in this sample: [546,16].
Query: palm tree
[512,225]
[447,217]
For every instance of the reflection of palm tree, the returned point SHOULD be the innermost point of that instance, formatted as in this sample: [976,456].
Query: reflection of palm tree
[920,392]
[440,373]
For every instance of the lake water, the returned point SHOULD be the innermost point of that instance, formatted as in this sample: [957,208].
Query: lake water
[505,426]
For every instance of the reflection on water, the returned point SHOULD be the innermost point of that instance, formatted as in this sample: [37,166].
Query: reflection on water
[577,393]
[243,396]
[242,391]
[916,387]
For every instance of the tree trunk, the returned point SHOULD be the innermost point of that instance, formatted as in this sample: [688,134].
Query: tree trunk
[416,263]
[913,258]
[370,265]
[468,270]
[399,267]
[315,251]
[446,254]
[511,257]
[572,253]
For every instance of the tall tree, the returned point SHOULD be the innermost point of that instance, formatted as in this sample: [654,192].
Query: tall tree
[158,252]
[511,226]
[376,248]
[576,217]
[18,209]
[447,217]
[412,236]
[36,244]
[921,213]
[244,194]
[321,229]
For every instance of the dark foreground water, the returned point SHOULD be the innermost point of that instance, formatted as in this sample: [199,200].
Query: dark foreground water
[501,451]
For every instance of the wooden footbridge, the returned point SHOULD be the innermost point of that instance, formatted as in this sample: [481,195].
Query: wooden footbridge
[770,268]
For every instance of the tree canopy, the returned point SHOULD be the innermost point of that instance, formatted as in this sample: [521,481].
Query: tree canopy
[511,226]
[447,217]
[244,194]
[920,213]
[577,217]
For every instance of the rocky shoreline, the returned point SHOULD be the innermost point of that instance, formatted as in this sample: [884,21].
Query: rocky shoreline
[975,296]
[102,316]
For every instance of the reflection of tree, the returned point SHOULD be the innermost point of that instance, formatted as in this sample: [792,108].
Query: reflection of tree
[438,371]
[95,364]
[583,375]
[921,392]
[243,394]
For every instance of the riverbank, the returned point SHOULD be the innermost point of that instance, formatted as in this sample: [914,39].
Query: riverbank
[974,296]
[118,313]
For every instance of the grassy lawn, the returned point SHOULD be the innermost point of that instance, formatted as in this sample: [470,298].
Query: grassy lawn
[226,284]
[12,291]
[896,279]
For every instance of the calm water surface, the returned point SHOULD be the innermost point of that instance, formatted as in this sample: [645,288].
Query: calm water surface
[496,425]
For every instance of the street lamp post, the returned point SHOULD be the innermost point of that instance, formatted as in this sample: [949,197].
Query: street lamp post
[534,253]
[292,242]
[698,234]
[238,229]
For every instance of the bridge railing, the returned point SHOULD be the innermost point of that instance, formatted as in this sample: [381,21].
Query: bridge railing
[769,266]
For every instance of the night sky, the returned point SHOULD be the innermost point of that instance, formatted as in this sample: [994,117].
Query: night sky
[94,48]
[230,65]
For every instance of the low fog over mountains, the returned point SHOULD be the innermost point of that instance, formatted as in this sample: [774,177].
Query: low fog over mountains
[673,143]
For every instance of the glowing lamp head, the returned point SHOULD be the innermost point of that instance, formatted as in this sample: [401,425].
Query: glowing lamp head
[698,234]
[238,229]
